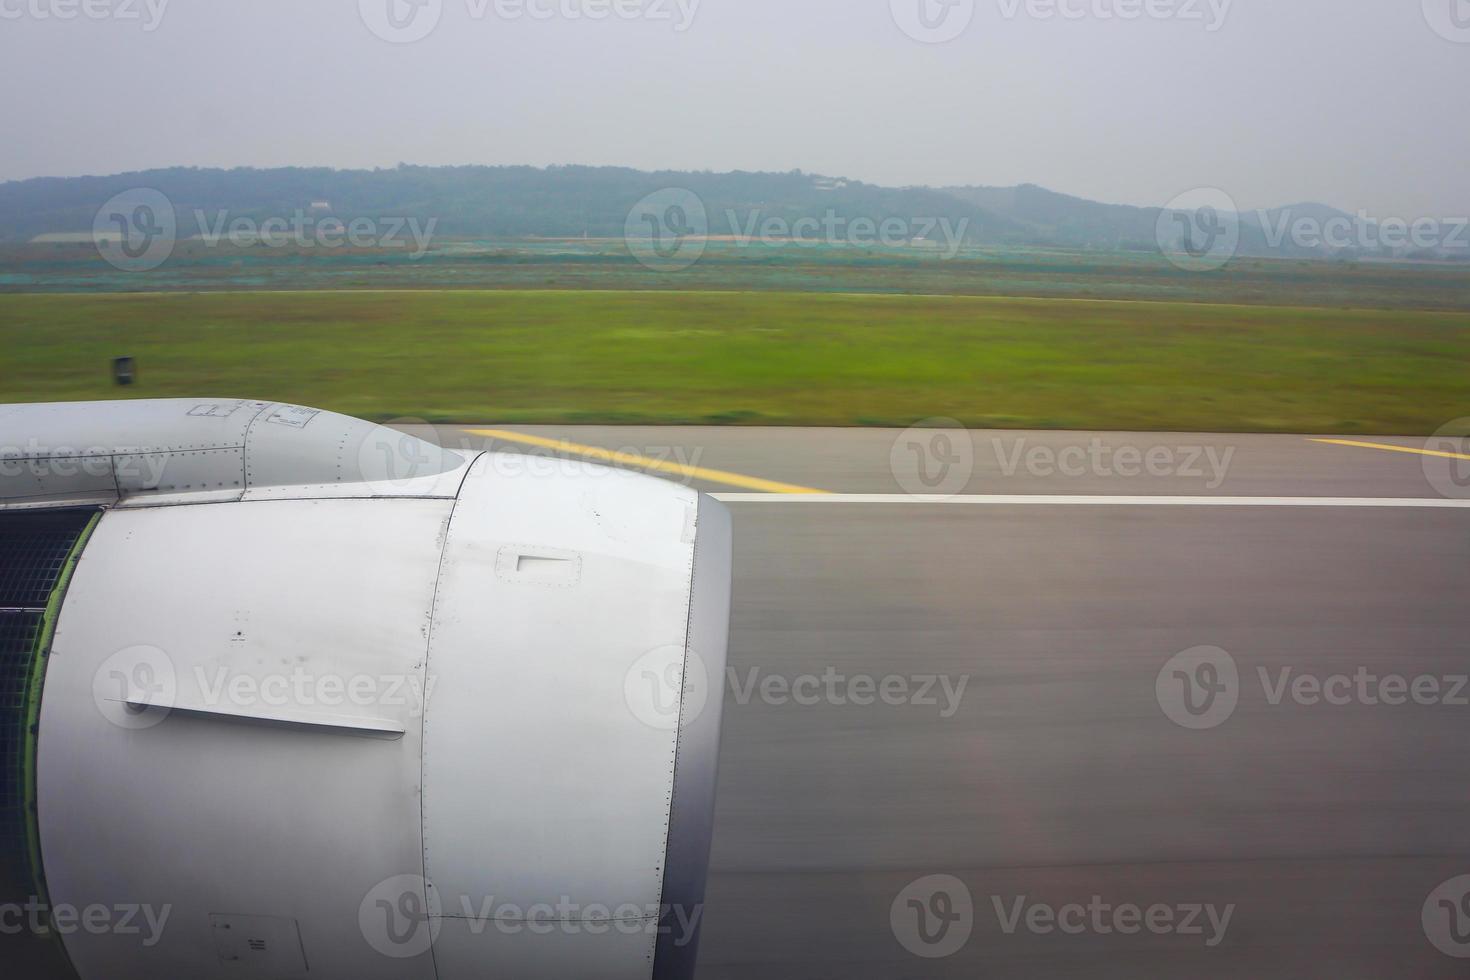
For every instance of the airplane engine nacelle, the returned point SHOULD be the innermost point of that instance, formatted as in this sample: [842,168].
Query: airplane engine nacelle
[300,696]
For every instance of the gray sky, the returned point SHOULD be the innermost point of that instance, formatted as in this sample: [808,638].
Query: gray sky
[1358,103]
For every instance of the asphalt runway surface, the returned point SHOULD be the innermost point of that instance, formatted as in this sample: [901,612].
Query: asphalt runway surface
[1062,741]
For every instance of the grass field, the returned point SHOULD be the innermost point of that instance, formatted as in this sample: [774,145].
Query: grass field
[522,265]
[756,358]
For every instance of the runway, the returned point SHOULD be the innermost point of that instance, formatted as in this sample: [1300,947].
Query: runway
[1002,694]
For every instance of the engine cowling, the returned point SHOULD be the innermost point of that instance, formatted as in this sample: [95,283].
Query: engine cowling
[318,698]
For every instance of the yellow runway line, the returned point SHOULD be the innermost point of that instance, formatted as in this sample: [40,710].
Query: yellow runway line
[1392,449]
[644,462]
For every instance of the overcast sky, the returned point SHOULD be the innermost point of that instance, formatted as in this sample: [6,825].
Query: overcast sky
[1357,103]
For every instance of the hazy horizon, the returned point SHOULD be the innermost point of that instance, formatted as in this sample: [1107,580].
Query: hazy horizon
[1345,206]
[1275,104]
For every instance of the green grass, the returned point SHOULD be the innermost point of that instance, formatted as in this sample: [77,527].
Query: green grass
[756,358]
[725,267]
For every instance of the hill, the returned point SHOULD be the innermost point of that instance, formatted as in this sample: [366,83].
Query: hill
[595,202]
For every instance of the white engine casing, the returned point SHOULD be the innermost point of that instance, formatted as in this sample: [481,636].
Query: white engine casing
[343,720]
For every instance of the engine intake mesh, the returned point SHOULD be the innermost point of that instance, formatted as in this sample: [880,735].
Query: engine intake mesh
[35,547]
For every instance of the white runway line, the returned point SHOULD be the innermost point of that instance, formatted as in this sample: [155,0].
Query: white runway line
[1037,500]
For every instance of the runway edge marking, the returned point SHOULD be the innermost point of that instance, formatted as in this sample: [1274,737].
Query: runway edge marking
[1388,448]
[764,487]
[1038,500]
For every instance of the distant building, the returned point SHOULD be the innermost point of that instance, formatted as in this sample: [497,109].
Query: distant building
[321,205]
